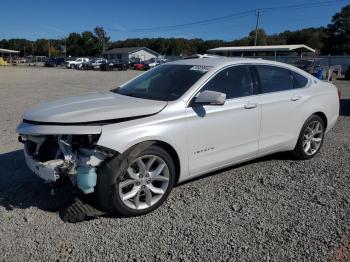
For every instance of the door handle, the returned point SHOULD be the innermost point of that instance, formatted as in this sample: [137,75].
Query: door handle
[250,105]
[296,98]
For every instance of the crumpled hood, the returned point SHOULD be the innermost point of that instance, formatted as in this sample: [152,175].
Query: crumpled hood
[92,107]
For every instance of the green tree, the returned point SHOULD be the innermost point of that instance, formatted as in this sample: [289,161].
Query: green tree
[338,33]
[103,39]
[89,44]
[261,37]
[74,44]
[41,47]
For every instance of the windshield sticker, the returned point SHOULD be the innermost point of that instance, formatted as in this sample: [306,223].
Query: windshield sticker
[201,68]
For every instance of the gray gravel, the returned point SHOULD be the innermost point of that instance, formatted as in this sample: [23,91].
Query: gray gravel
[271,209]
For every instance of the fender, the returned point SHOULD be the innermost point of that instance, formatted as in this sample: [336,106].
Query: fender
[169,129]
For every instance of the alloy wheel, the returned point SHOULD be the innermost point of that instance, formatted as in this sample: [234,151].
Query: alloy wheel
[144,183]
[312,138]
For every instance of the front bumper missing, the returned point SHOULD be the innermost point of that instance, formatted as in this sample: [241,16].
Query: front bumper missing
[49,171]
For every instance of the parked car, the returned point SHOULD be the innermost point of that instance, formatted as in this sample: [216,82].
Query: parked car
[115,64]
[106,66]
[54,61]
[77,62]
[133,61]
[96,63]
[139,66]
[84,65]
[91,64]
[21,60]
[180,120]
[153,62]
[347,74]
[122,65]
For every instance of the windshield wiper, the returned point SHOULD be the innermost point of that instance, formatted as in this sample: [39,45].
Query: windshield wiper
[116,90]
[129,94]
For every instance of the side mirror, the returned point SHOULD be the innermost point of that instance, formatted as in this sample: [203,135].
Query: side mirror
[209,97]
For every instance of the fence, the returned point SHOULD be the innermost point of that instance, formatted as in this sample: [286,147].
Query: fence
[331,60]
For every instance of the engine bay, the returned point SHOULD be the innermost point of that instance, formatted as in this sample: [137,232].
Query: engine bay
[56,157]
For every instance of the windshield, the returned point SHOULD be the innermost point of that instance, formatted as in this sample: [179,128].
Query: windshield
[165,83]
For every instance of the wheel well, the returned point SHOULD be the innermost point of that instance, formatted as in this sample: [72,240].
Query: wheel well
[323,117]
[172,152]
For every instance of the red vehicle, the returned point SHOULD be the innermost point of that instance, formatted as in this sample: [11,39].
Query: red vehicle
[138,66]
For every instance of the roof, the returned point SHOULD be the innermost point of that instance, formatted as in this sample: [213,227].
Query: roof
[219,61]
[227,61]
[129,50]
[8,51]
[267,48]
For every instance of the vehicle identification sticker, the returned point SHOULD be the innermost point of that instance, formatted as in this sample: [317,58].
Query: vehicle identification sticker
[201,68]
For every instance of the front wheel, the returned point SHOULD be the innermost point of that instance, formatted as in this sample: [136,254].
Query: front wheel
[310,139]
[136,183]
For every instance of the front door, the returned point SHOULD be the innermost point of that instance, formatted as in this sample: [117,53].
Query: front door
[222,134]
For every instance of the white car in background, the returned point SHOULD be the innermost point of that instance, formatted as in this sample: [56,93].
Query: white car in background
[75,63]
[97,62]
[153,62]
[177,121]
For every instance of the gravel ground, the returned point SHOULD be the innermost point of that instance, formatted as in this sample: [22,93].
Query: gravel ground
[270,209]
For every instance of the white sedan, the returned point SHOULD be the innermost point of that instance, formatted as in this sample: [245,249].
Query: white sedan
[177,121]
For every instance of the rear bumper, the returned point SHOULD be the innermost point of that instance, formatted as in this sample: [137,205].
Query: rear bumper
[331,123]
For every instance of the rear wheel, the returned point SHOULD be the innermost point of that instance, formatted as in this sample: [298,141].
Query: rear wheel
[310,139]
[136,183]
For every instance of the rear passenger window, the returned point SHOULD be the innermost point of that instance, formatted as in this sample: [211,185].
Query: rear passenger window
[274,79]
[299,81]
[235,82]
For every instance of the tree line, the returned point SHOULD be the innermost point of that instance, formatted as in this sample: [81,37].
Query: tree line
[333,39]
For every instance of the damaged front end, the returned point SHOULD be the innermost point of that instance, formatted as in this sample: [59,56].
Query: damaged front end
[55,157]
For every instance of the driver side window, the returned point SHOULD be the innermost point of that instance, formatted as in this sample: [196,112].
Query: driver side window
[235,82]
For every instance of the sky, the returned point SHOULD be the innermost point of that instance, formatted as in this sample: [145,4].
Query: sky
[135,18]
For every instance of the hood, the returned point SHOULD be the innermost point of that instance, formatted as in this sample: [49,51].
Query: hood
[92,107]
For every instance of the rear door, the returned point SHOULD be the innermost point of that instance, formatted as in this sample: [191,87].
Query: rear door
[279,102]
[222,134]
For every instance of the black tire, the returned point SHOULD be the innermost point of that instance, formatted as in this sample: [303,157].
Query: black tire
[298,151]
[107,193]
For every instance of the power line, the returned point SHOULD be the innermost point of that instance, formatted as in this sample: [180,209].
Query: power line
[202,22]
[234,16]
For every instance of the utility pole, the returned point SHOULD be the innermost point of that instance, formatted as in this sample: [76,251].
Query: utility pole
[103,45]
[257,13]
[49,46]
[65,47]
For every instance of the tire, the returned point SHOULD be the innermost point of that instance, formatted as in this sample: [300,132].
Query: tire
[115,173]
[301,152]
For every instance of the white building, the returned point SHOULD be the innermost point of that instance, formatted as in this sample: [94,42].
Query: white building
[126,53]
